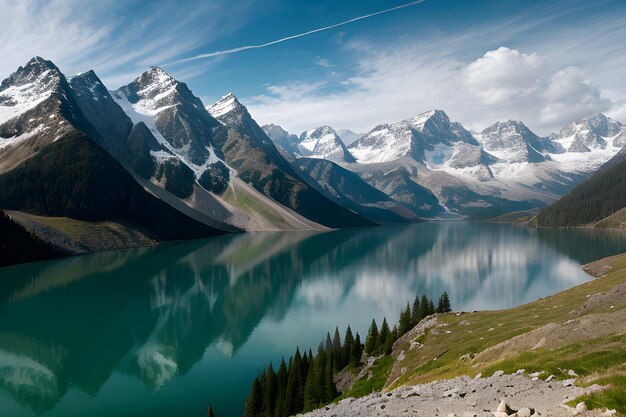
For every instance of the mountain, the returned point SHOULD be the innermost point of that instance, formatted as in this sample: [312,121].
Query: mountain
[594,134]
[412,138]
[281,138]
[512,141]
[324,143]
[506,167]
[348,136]
[258,162]
[143,162]
[600,200]
[348,190]
[191,161]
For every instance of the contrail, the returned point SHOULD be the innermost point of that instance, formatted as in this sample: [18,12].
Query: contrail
[299,35]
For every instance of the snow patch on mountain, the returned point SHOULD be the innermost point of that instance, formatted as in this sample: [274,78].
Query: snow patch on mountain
[383,143]
[27,87]
[324,143]
[411,137]
[159,92]
[223,106]
[14,140]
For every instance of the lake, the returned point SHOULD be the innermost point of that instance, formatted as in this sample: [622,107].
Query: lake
[168,330]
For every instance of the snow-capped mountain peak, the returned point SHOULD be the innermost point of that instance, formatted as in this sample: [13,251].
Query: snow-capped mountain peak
[420,120]
[324,142]
[27,87]
[511,141]
[412,137]
[597,132]
[227,104]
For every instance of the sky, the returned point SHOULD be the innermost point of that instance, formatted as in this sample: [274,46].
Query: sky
[350,63]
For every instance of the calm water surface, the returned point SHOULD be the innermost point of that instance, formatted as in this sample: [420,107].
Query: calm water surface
[166,331]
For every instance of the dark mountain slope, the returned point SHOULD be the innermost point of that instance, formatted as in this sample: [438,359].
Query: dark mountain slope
[258,162]
[74,177]
[598,197]
[348,190]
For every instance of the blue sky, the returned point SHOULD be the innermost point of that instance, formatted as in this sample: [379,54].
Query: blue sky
[543,62]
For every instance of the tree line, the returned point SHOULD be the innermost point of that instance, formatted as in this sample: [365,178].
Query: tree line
[305,381]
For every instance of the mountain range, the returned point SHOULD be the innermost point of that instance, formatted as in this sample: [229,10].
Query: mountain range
[149,161]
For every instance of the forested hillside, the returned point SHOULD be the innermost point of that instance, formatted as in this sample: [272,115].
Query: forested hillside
[600,196]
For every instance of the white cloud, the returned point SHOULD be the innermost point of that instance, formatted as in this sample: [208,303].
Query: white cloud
[568,92]
[503,75]
[322,62]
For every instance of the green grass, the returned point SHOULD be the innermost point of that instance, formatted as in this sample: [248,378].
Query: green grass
[380,371]
[611,398]
[592,356]
[589,355]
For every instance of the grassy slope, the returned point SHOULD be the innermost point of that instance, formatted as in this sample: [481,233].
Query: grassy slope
[79,236]
[597,358]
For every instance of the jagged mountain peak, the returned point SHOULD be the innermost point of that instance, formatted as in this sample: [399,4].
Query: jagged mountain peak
[513,126]
[512,141]
[38,70]
[595,132]
[436,115]
[318,132]
[227,104]
[28,86]
[324,142]
[89,81]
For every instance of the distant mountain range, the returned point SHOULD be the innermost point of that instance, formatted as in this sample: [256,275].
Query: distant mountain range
[436,167]
[149,161]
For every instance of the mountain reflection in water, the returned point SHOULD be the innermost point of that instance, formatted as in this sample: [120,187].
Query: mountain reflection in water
[169,329]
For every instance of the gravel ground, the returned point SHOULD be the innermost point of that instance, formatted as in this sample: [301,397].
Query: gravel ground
[464,397]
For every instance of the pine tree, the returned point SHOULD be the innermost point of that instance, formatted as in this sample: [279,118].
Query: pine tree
[382,337]
[310,390]
[263,385]
[348,348]
[431,308]
[269,401]
[391,337]
[337,362]
[357,351]
[281,390]
[404,324]
[423,310]
[330,392]
[253,403]
[443,306]
[320,378]
[371,339]
[329,343]
[294,395]
[415,313]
